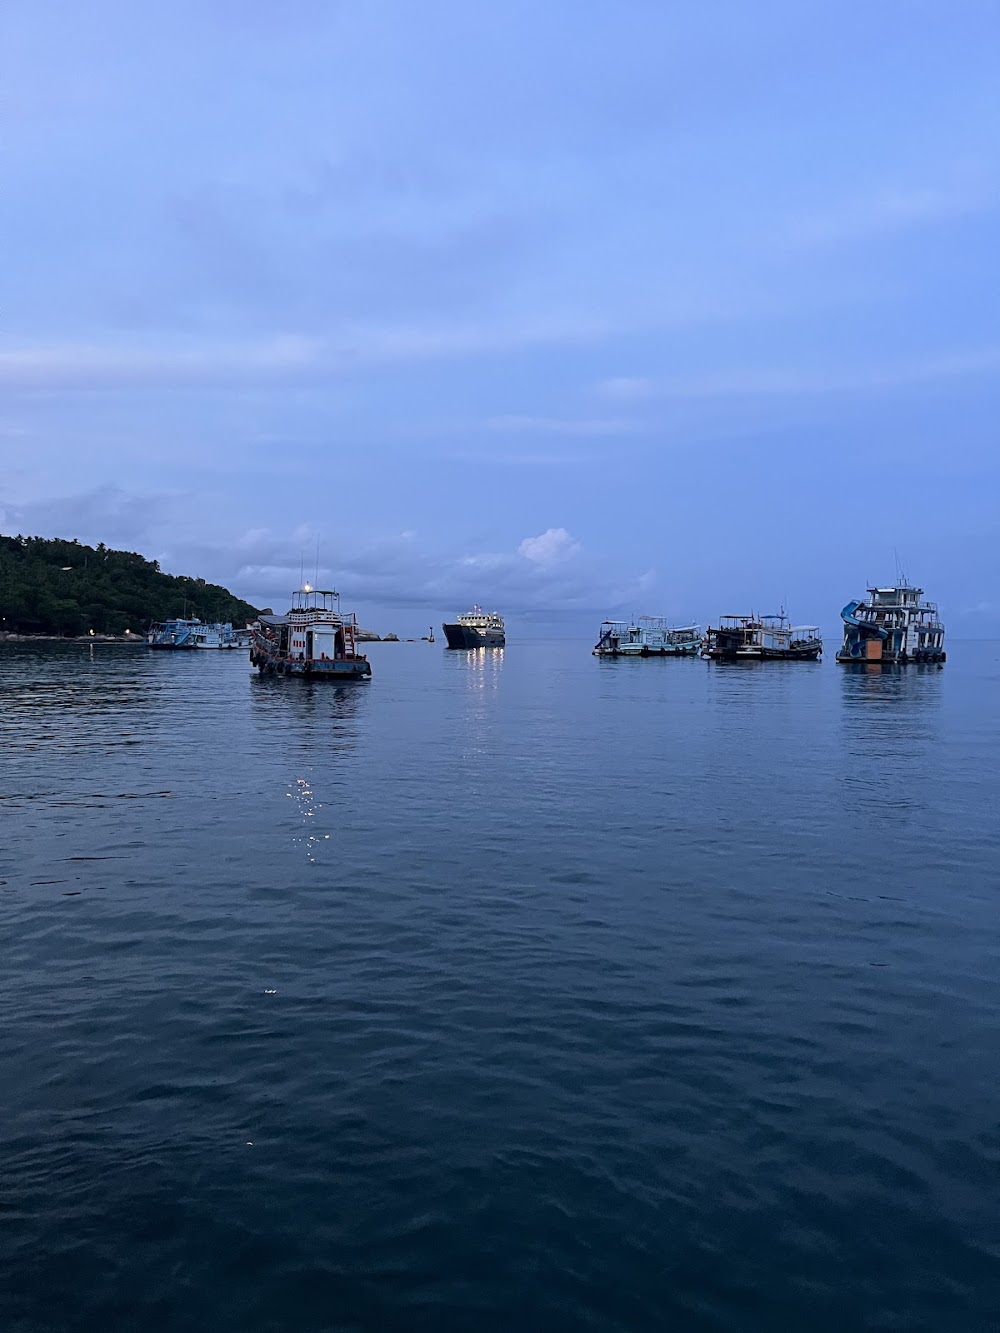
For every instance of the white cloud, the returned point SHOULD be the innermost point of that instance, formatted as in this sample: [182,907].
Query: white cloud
[891,210]
[284,357]
[775,382]
[550,547]
[548,572]
[559,425]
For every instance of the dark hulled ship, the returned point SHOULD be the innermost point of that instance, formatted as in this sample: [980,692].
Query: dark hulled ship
[476,629]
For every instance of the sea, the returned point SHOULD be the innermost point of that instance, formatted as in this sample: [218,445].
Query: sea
[511,990]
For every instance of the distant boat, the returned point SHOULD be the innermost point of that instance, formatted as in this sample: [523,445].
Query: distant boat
[649,636]
[217,636]
[315,639]
[196,634]
[893,626]
[173,633]
[476,629]
[762,638]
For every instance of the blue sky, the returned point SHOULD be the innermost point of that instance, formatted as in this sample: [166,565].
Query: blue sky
[573,308]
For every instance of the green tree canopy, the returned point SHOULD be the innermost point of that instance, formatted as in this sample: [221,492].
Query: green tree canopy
[52,586]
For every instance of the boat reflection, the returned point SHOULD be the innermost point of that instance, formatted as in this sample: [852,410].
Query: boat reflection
[891,740]
[318,726]
[483,666]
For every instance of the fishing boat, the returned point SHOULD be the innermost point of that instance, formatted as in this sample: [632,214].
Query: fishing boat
[892,626]
[476,629]
[219,636]
[175,633]
[762,638]
[315,639]
[648,636]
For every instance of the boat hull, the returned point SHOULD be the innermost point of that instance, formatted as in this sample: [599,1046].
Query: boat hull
[358,668]
[644,650]
[764,655]
[462,636]
[935,656]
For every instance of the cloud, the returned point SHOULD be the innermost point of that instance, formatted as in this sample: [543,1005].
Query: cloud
[285,357]
[889,211]
[108,514]
[547,572]
[764,382]
[404,570]
[560,426]
[550,547]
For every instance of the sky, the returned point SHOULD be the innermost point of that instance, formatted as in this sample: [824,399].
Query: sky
[573,309]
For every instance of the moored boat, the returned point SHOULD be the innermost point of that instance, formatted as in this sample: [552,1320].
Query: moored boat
[762,638]
[219,636]
[648,636]
[315,639]
[176,633]
[893,626]
[476,629]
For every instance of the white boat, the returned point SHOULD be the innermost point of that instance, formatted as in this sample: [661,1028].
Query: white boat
[648,636]
[894,625]
[217,636]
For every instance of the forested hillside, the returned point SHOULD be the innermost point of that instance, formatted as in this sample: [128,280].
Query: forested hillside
[61,587]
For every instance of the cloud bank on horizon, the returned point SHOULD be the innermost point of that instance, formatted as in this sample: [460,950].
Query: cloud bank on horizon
[564,309]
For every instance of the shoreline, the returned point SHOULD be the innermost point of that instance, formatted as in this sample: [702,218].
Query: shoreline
[126,639]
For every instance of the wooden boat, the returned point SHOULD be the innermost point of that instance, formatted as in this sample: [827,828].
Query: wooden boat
[762,638]
[648,636]
[315,639]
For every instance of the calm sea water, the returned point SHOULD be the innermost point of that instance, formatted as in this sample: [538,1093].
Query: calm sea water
[515,990]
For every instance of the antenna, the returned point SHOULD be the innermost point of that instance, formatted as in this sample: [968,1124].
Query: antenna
[302,567]
[901,578]
[316,580]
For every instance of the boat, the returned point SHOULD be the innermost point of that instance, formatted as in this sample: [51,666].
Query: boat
[648,636]
[476,629]
[217,635]
[762,638]
[893,626]
[315,639]
[175,633]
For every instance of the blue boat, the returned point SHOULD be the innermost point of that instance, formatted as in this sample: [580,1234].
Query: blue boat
[174,634]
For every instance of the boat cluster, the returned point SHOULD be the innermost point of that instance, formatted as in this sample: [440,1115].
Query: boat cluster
[316,639]
[893,626]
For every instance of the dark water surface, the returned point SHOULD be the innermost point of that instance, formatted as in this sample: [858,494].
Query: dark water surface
[551,994]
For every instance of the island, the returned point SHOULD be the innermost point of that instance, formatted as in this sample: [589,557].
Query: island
[60,588]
